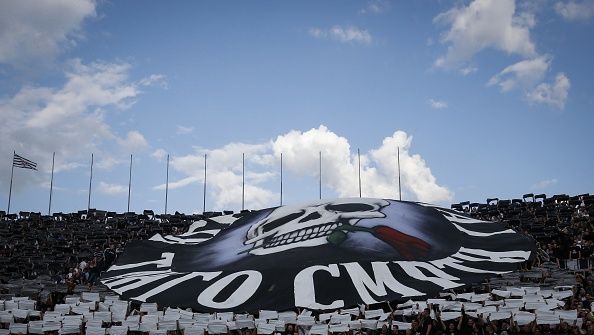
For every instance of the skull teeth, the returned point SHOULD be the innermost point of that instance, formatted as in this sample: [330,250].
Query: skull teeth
[300,235]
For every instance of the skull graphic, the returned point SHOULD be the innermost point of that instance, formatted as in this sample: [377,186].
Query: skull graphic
[310,225]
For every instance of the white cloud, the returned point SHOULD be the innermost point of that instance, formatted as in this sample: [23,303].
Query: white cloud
[70,119]
[575,11]
[159,154]
[300,157]
[417,178]
[106,162]
[112,189]
[224,173]
[134,141]
[436,104]
[376,7]
[528,75]
[484,24]
[349,34]
[468,70]
[182,182]
[377,171]
[522,74]
[154,80]
[496,24]
[34,31]
[88,86]
[544,184]
[317,32]
[182,130]
[552,94]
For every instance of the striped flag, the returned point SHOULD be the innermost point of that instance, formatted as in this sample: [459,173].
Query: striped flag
[23,163]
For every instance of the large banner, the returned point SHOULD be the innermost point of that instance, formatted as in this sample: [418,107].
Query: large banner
[327,254]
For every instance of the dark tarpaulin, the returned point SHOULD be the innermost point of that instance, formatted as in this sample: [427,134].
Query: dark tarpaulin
[327,254]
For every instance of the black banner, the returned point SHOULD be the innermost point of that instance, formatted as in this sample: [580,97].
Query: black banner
[324,255]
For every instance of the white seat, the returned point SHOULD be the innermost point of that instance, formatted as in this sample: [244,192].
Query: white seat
[133,318]
[148,307]
[4,332]
[111,299]
[132,327]
[182,324]
[103,316]
[226,316]
[167,325]
[62,308]
[52,317]
[92,306]
[118,315]
[95,323]
[147,326]
[72,300]
[132,322]
[102,307]
[6,317]
[118,330]
[10,305]
[157,332]
[72,320]
[149,318]
[27,304]
[20,313]
[87,315]
[80,309]
[193,331]
[18,328]
[119,305]
[70,329]
[265,328]
[51,325]
[217,327]
[17,299]
[90,296]
[35,327]
[49,315]
[95,331]
[185,315]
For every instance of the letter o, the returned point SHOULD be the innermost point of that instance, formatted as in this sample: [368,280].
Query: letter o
[241,294]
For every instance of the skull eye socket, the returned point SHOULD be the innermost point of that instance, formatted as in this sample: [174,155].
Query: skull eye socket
[311,216]
[279,222]
[354,207]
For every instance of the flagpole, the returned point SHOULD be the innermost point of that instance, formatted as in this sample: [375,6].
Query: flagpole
[242,181]
[90,183]
[399,188]
[10,189]
[281,178]
[204,196]
[167,184]
[49,208]
[359,155]
[129,183]
[320,179]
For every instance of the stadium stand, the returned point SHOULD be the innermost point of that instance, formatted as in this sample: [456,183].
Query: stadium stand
[49,267]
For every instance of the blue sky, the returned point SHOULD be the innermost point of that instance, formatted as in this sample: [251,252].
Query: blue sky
[484,98]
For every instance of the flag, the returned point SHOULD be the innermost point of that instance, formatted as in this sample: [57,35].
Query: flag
[325,255]
[23,163]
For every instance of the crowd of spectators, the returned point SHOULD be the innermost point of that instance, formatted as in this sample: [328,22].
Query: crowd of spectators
[74,248]
[562,226]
